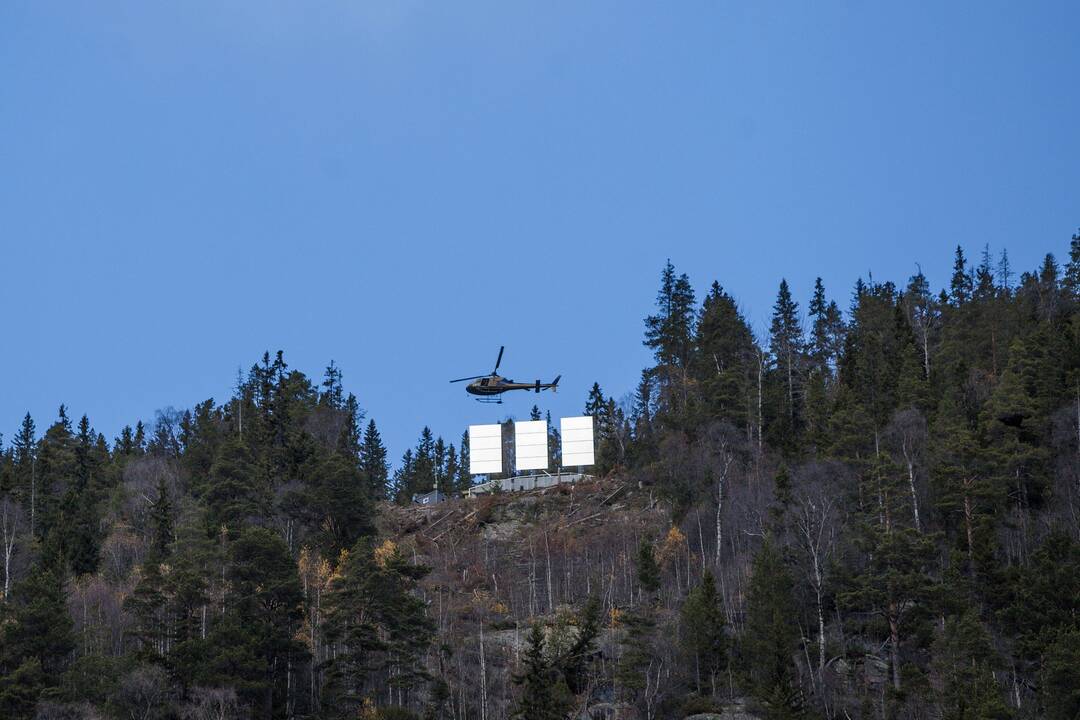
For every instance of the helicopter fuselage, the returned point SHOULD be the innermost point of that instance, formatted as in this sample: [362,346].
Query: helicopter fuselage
[495,385]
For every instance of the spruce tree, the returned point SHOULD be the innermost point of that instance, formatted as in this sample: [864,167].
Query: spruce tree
[332,390]
[893,580]
[704,634]
[724,360]
[786,347]
[373,462]
[35,640]
[984,285]
[648,572]
[771,633]
[261,621]
[24,448]
[464,478]
[536,679]
[923,315]
[236,492]
[1071,282]
[960,286]
[669,333]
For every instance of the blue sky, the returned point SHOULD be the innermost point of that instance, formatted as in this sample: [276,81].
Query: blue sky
[404,186]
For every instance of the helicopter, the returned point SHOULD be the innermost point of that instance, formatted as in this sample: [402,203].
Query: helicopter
[490,387]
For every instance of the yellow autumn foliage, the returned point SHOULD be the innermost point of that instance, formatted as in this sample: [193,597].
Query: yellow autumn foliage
[385,552]
[674,541]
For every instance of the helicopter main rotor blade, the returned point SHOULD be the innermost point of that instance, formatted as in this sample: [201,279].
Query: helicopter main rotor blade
[474,377]
[499,361]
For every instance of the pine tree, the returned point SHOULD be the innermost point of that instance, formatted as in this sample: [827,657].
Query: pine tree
[984,278]
[381,627]
[537,701]
[349,442]
[404,478]
[892,580]
[35,640]
[1060,677]
[56,472]
[451,471]
[595,405]
[704,634]
[424,464]
[373,462]
[648,572]
[24,448]
[333,392]
[261,621]
[464,478]
[439,458]
[1004,273]
[1071,282]
[960,287]
[669,333]
[140,438]
[964,663]
[236,493]
[924,317]
[574,663]
[786,346]
[637,658]
[1047,288]
[161,522]
[771,633]
[339,506]
[724,360]
[124,444]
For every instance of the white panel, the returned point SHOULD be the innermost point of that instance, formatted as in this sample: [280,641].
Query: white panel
[531,445]
[577,441]
[576,423]
[485,449]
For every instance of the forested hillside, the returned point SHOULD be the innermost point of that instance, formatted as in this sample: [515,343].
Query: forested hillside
[873,511]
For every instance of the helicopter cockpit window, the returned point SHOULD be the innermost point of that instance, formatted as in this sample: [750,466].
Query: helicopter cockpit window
[484,382]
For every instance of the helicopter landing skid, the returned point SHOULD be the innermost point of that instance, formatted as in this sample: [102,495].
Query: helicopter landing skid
[490,401]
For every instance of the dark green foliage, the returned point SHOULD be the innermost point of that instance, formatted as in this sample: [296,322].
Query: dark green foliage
[704,635]
[648,572]
[381,626]
[1060,677]
[373,462]
[237,493]
[575,661]
[669,333]
[35,641]
[964,662]
[786,345]
[537,680]
[771,635]
[252,649]
[724,360]
[637,659]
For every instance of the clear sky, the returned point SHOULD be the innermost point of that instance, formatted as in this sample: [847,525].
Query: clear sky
[404,186]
